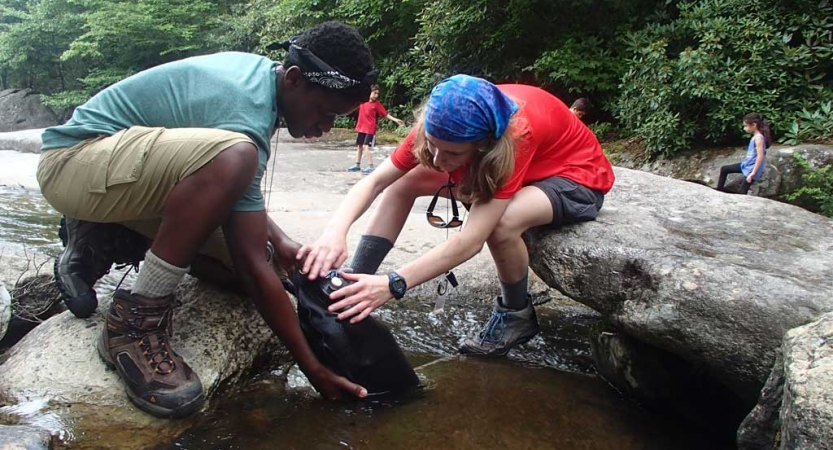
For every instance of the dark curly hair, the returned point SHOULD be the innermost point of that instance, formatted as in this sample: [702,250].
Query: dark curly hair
[342,47]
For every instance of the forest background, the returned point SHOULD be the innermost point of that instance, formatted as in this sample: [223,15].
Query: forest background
[675,74]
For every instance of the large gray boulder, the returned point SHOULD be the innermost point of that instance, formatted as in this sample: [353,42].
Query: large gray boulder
[221,335]
[714,278]
[795,409]
[21,109]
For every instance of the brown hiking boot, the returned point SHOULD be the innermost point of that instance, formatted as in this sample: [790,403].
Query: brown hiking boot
[136,342]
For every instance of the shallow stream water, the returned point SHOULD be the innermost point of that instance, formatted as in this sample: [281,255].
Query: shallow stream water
[545,396]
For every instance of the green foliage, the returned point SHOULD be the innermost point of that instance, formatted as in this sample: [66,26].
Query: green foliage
[344,122]
[815,126]
[33,34]
[696,76]
[582,66]
[72,48]
[124,37]
[818,185]
[95,81]
[672,72]
[604,131]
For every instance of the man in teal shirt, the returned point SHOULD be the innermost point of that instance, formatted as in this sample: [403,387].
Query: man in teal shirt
[177,153]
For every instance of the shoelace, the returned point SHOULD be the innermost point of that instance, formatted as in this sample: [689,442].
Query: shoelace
[496,323]
[163,327]
[150,353]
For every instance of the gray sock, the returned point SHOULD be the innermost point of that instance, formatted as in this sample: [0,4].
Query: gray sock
[157,278]
[515,294]
[370,253]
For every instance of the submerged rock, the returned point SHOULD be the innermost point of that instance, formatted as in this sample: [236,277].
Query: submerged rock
[716,279]
[21,437]
[796,406]
[664,382]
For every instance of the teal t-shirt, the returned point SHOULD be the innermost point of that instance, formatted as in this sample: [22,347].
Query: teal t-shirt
[229,91]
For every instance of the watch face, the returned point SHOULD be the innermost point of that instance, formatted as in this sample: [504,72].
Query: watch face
[397,285]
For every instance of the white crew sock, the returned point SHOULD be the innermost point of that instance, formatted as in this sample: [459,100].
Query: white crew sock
[157,278]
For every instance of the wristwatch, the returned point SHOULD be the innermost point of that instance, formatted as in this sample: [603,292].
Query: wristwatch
[397,285]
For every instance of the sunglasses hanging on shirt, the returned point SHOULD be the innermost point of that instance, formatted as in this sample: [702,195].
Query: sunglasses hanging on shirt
[437,221]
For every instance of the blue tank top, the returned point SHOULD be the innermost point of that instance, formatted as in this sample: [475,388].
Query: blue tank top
[748,164]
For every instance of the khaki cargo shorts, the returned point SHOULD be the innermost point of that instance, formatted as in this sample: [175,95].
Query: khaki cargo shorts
[126,178]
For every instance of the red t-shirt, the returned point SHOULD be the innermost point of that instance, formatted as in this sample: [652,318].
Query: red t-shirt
[551,141]
[367,116]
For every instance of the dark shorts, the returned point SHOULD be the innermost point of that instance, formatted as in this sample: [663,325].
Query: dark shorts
[366,139]
[571,202]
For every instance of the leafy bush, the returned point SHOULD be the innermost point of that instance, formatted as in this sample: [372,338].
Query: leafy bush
[816,126]
[818,185]
[344,122]
[581,67]
[696,75]
[605,131]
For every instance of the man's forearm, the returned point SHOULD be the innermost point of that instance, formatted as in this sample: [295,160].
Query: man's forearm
[276,234]
[277,310]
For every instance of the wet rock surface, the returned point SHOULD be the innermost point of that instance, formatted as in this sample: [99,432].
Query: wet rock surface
[795,409]
[664,382]
[24,438]
[220,335]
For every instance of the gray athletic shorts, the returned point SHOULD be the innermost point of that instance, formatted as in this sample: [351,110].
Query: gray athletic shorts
[571,202]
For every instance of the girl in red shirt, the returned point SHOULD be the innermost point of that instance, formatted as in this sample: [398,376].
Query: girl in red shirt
[515,153]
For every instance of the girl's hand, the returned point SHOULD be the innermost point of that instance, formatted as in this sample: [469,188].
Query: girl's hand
[328,252]
[749,179]
[400,122]
[367,293]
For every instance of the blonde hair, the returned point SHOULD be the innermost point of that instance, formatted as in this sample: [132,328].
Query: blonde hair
[492,164]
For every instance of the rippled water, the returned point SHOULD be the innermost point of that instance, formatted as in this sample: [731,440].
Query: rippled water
[469,404]
[27,219]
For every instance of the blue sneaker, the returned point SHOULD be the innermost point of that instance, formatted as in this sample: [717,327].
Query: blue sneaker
[505,329]
[368,171]
[354,168]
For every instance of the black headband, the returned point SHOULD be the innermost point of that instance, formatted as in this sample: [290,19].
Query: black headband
[321,73]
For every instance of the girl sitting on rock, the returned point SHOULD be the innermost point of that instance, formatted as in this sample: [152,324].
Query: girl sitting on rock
[753,166]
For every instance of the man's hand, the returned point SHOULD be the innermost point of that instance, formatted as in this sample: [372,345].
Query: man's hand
[285,252]
[285,247]
[332,386]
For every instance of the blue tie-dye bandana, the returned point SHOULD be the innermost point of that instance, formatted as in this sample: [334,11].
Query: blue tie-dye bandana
[463,108]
